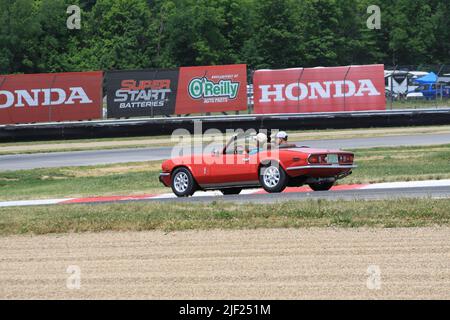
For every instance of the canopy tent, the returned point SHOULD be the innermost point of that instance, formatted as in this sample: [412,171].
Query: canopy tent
[429,78]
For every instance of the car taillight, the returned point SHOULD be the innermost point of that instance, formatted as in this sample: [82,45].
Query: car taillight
[317,158]
[346,158]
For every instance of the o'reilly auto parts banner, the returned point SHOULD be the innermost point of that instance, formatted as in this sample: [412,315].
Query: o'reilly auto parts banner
[212,89]
[141,93]
[26,98]
[351,88]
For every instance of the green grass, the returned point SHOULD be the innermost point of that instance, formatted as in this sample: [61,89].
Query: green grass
[374,165]
[114,179]
[170,217]
[417,104]
[401,164]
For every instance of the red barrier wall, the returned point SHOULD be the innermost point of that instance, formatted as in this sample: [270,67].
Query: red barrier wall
[212,89]
[352,88]
[49,97]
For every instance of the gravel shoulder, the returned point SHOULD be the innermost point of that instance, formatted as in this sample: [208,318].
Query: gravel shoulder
[317,263]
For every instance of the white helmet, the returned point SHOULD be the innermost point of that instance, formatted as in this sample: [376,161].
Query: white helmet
[281,135]
[261,138]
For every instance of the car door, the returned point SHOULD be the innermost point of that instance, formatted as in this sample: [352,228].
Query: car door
[234,165]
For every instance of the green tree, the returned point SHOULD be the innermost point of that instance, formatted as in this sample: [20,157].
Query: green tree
[119,34]
[19,36]
[135,34]
[195,33]
[276,35]
[56,40]
[410,26]
[441,31]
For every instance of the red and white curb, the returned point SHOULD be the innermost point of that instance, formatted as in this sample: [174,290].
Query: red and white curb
[387,185]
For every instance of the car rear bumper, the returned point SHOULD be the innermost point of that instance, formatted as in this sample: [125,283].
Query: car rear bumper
[331,166]
[164,178]
[321,171]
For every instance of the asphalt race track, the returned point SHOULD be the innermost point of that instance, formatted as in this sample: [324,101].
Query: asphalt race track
[83,158]
[361,194]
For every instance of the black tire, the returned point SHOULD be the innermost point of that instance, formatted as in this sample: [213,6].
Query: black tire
[321,186]
[183,183]
[231,191]
[281,181]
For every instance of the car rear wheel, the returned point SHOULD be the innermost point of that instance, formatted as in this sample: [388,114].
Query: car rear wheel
[183,183]
[273,178]
[321,186]
[231,191]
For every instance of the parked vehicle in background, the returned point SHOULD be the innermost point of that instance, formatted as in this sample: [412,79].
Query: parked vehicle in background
[432,91]
[431,86]
[400,83]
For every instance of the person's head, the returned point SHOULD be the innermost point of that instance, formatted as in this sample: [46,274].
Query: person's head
[281,137]
[261,138]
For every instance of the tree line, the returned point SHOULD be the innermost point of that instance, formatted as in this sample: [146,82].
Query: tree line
[139,34]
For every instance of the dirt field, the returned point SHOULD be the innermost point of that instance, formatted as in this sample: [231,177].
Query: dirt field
[267,264]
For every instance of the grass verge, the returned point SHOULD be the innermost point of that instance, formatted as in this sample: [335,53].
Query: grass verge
[401,164]
[116,179]
[172,217]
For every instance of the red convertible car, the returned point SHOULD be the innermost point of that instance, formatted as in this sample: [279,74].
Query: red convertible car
[244,163]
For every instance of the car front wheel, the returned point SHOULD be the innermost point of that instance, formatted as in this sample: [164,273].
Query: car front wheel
[183,183]
[273,178]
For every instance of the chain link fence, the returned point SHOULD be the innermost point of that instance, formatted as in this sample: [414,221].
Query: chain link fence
[417,86]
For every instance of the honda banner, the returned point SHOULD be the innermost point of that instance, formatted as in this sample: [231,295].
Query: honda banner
[28,98]
[352,88]
[212,89]
[141,93]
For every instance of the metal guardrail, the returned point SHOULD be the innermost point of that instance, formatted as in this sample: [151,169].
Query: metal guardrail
[161,126]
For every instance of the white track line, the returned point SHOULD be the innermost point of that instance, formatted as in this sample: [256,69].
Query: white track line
[32,202]
[409,184]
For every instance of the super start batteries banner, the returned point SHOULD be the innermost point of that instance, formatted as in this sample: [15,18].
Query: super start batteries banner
[141,93]
[48,97]
[351,88]
[176,91]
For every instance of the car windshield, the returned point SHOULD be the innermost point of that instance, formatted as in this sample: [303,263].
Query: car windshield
[241,144]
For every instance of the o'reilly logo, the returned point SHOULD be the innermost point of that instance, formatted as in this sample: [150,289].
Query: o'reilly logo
[206,89]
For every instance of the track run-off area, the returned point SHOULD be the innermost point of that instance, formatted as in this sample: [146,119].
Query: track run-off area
[436,189]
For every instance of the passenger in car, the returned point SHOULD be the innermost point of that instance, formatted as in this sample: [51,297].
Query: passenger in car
[261,140]
[281,140]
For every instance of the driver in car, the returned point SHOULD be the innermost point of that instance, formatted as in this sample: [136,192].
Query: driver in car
[261,140]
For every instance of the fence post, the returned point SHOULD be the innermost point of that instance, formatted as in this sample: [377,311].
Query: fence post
[392,84]
[345,81]
[50,107]
[436,84]
[298,85]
